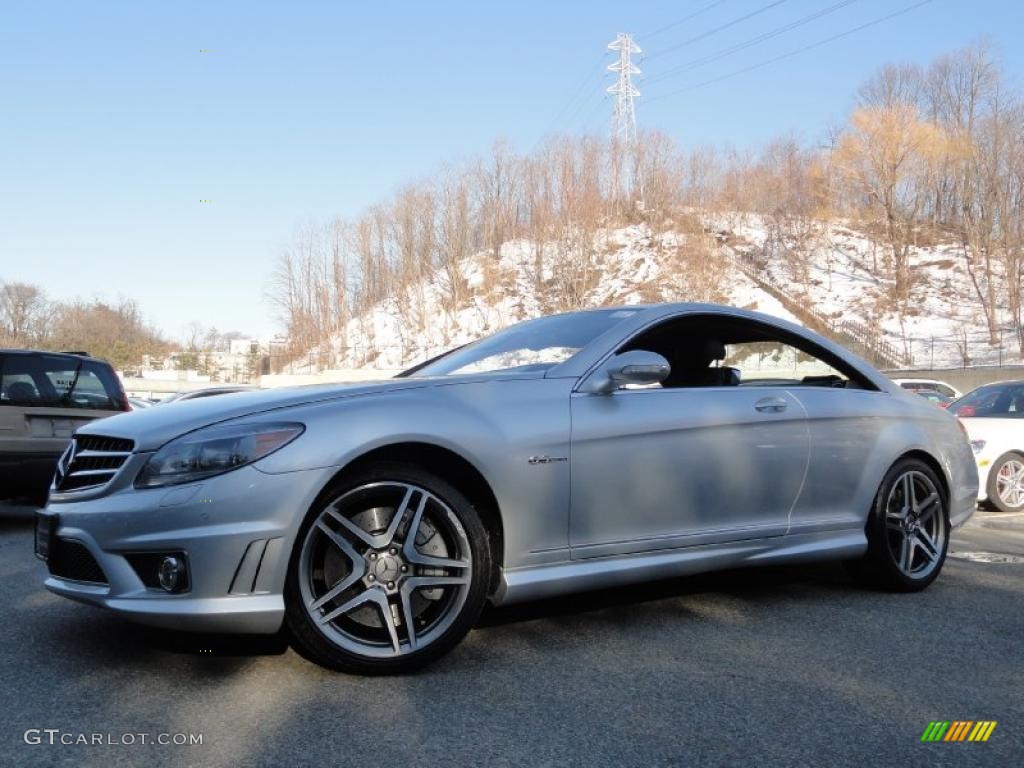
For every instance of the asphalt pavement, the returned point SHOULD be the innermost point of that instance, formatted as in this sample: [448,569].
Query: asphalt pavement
[780,666]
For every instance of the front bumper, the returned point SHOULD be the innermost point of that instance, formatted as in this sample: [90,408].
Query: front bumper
[236,529]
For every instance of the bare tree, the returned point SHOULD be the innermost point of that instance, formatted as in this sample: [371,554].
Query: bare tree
[23,312]
[454,239]
[889,154]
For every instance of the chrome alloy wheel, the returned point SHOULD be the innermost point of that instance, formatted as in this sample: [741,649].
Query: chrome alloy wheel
[1010,483]
[385,569]
[914,524]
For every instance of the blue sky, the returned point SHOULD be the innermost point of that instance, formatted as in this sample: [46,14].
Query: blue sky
[114,125]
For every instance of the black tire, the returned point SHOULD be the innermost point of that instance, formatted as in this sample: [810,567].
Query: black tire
[991,485]
[880,567]
[314,644]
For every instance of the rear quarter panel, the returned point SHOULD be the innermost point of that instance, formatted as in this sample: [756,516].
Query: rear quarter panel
[857,436]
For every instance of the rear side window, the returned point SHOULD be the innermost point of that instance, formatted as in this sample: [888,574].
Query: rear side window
[777,364]
[55,381]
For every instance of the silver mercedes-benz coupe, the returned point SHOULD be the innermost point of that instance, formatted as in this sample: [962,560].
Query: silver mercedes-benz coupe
[568,453]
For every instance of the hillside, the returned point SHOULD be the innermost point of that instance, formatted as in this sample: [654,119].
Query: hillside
[825,277]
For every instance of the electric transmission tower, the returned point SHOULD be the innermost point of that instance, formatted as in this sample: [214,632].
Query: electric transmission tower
[624,116]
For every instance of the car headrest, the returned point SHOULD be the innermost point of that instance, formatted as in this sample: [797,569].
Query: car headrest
[21,392]
[701,351]
[714,349]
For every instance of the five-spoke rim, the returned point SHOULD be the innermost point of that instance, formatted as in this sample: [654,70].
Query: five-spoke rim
[915,528]
[1010,483]
[384,569]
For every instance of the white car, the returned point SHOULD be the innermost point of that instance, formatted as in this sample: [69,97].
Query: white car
[932,385]
[994,418]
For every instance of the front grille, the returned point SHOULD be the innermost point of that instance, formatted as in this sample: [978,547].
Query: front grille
[69,559]
[104,444]
[91,461]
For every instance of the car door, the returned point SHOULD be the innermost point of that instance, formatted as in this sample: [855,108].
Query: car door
[661,468]
[846,416]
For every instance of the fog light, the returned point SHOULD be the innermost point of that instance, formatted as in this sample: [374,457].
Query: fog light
[170,572]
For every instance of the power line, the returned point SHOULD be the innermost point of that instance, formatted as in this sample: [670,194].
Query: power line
[677,22]
[589,120]
[568,110]
[724,52]
[789,54]
[715,30]
[588,102]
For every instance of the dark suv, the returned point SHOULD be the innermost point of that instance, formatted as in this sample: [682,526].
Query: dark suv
[44,398]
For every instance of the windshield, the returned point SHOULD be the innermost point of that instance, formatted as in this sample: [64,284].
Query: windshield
[56,381]
[535,345]
[995,400]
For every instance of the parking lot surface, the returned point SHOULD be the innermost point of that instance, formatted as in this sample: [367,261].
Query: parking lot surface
[780,666]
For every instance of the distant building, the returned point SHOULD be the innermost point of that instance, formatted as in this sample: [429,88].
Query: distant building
[234,361]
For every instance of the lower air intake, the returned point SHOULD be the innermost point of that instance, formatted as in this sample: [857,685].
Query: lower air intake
[70,559]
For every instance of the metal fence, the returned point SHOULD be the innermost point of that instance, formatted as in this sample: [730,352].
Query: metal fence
[964,350]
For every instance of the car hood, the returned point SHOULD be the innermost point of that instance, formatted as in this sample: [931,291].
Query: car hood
[152,427]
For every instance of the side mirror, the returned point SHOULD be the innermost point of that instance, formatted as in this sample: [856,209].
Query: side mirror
[635,367]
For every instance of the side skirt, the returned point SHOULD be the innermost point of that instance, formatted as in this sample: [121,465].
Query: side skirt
[537,582]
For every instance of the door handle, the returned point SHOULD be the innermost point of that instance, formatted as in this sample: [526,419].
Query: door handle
[771,405]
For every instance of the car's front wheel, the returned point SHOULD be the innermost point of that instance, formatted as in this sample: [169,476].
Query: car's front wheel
[390,570]
[907,530]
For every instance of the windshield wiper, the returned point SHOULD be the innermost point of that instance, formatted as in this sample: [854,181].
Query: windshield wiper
[66,397]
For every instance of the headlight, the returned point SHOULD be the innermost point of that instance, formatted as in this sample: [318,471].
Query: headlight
[212,451]
[977,446]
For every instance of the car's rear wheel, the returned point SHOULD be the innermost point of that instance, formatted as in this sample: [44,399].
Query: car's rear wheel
[390,570]
[1005,484]
[907,531]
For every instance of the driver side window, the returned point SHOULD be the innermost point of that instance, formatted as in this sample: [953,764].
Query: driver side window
[713,350]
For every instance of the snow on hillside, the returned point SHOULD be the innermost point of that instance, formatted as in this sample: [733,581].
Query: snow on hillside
[842,280]
[834,274]
[632,270]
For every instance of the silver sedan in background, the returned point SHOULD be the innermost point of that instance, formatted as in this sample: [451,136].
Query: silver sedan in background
[573,452]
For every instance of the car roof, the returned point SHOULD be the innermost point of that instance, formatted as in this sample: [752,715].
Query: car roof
[216,389]
[49,352]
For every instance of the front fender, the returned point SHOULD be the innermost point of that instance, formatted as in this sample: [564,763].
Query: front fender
[495,426]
